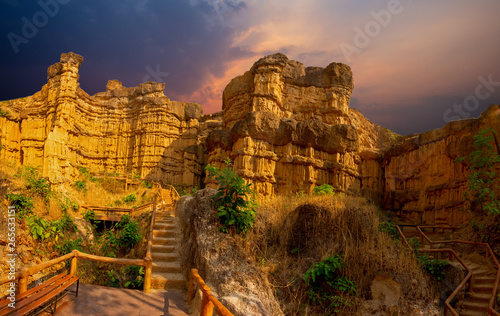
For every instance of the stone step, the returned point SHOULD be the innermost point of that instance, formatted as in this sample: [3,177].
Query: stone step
[167,281]
[163,248]
[163,233]
[471,313]
[166,220]
[167,267]
[164,226]
[475,306]
[482,288]
[165,257]
[479,297]
[164,241]
[484,281]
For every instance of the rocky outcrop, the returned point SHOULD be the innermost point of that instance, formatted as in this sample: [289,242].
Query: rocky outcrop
[422,180]
[287,129]
[61,128]
[234,281]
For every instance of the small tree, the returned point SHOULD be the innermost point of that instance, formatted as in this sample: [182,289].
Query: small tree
[484,179]
[233,207]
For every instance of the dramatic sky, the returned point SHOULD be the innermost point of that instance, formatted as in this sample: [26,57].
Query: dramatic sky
[417,64]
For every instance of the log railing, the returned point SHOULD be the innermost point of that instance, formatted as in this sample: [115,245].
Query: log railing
[114,210]
[488,251]
[149,258]
[23,275]
[208,301]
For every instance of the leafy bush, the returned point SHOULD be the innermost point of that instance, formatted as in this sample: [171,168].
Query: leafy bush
[128,235]
[24,204]
[326,285]
[484,178]
[43,229]
[390,229]
[34,182]
[230,201]
[129,199]
[68,246]
[89,215]
[81,185]
[434,267]
[3,113]
[131,277]
[147,184]
[323,189]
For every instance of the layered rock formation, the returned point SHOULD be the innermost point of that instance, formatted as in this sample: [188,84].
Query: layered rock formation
[286,127]
[423,182]
[61,128]
[289,128]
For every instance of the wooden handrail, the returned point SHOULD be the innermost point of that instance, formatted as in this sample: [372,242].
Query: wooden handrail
[24,274]
[147,262]
[173,188]
[491,310]
[490,254]
[149,257]
[208,301]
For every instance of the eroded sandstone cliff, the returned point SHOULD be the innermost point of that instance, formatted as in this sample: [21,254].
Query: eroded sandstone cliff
[61,128]
[286,127]
[289,128]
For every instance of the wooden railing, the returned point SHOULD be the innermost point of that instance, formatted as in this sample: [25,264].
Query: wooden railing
[208,301]
[149,258]
[23,275]
[489,254]
[115,210]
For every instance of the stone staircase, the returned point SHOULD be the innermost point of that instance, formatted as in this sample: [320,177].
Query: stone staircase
[166,263]
[476,302]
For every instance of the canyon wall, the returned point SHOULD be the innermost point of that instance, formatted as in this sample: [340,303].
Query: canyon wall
[61,128]
[287,129]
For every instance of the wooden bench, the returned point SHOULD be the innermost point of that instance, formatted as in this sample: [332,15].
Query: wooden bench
[38,299]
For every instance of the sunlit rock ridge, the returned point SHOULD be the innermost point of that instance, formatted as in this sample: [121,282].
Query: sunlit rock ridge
[287,128]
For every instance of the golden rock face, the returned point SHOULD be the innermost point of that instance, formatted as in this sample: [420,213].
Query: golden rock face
[287,129]
[61,128]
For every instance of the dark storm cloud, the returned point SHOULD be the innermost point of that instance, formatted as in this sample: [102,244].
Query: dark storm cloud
[119,40]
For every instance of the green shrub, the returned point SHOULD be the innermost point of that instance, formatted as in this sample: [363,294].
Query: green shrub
[327,287]
[131,277]
[24,204]
[89,215]
[483,179]
[44,229]
[323,189]
[34,182]
[233,208]
[434,267]
[4,113]
[81,185]
[129,199]
[128,235]
[390,229]
[68,246]
[147,184]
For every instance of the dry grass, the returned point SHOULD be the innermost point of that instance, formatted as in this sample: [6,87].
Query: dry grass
[347,225]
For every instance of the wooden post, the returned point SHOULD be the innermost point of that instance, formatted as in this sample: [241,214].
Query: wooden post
[207,307]
[23,281]
[147,274]
[74,263]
